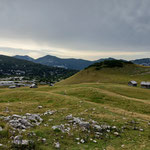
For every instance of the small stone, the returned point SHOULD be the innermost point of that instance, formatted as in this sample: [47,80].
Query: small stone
[50,120]
[77,139]
[135,128]
[43,140]
[1,128]
[141,130]
[40,107]
[57,145]
[25,142]
[6,110]
[114,127]
[116,133]
[82,141]
[45,125]
[94,141]
[122,146]
[69,117]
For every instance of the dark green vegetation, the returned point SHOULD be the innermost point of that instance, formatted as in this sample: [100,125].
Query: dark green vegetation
[110,64]
[10,66]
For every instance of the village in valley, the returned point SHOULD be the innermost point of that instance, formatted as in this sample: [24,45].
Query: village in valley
[16,82]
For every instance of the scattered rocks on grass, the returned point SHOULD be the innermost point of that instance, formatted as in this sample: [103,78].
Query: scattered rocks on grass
[49,112]
[26,121]
[87,128]
[19,143]
[91,126]
[63,128]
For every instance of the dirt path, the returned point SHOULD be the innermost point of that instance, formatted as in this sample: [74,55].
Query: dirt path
[122,96]
[116,110]
[123,112]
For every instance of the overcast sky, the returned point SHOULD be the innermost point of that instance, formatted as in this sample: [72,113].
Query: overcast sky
[88,29]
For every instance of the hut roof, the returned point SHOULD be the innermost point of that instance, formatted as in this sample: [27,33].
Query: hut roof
[145,83]
[133,82]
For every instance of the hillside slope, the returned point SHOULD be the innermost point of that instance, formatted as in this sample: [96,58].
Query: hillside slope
[119,72]
[10,66]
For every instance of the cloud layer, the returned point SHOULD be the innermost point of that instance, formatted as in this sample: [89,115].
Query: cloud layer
[73,27]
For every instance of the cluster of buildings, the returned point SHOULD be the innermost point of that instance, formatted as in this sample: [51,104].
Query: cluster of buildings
[144,84]
[14,84]
[19,82]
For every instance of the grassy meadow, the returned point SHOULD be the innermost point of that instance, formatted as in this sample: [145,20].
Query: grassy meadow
[110,103]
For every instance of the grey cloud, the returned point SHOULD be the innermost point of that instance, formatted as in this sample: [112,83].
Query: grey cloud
[120,25]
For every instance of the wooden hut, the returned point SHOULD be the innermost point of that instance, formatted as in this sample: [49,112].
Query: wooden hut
[34,86]
[145,85]
[132,83]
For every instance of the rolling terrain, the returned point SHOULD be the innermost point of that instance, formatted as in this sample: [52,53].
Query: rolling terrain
[68,63]
[53,61]
[77,64]
[94,115]
[110,74]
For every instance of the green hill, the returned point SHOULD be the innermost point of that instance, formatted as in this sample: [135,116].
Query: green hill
[110,71]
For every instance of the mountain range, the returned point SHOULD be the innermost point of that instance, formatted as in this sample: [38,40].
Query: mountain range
[144,61]
[10,66]
[76,64]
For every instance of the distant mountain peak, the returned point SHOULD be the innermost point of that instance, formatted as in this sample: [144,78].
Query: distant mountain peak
[25,57]
[143,61]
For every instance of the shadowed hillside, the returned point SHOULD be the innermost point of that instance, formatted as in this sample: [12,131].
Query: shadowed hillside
[10,66]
